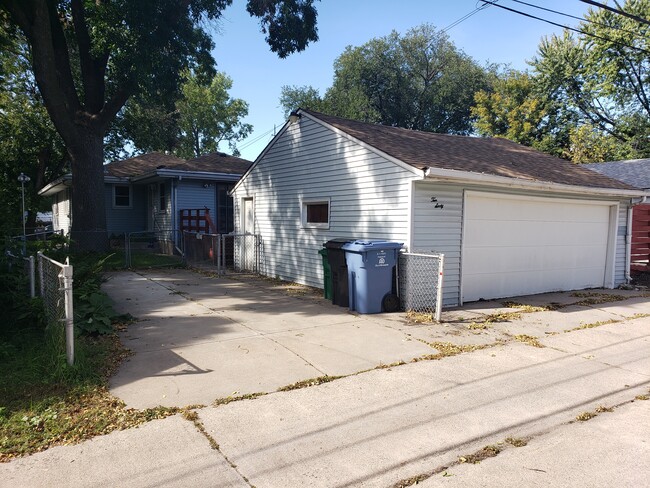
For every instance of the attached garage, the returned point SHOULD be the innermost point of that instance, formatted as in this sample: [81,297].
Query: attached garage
[518,245]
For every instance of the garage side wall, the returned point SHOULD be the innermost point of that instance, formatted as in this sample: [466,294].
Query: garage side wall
[368,197]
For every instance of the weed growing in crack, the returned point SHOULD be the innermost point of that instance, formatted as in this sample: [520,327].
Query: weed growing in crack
[584,416]
[310,382]
[530,340]
[517,441]
[480,455]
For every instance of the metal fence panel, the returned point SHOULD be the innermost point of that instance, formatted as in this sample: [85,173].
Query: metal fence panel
[151,249]
[237,253]
[420,283]
[56,291]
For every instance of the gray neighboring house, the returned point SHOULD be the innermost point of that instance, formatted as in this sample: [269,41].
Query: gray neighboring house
[149,192]
[633,172]
[510,220]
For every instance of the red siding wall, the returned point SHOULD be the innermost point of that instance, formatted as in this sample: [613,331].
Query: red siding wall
[640,238]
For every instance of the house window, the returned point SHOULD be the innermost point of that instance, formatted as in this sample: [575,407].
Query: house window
[161,197]
[316,213]
[121,196]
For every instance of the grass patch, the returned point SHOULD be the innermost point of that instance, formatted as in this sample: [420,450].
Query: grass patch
[584,416]
[419,317]
[603,409]
[595,298]
[447,349]
[593,325]
[517,441]
[237,398]
[480,455]
[117,260]
[310,382]
[67,406]
[523,308]
[530,340]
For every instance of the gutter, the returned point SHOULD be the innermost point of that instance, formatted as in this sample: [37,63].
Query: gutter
[628,237]
[196,175]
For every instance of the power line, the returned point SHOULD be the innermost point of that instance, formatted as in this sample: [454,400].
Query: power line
[582,19]
[617,11]
[580,31]
[465,17]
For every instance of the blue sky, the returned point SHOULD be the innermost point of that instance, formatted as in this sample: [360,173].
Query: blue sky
[492,34]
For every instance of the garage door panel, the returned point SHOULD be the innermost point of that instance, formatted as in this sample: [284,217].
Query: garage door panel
[513,246]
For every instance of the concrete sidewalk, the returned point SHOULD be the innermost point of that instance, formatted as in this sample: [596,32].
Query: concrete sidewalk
[387,425]
[198,339]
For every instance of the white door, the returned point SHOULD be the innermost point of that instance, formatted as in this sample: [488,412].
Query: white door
[515,245]
[247,243]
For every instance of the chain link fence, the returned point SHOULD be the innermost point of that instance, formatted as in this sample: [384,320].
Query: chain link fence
[237,253]
[420,283]
[56,291]
[26,265]
[152,249]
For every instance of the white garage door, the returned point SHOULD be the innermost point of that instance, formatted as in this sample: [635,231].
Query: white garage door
[515,245]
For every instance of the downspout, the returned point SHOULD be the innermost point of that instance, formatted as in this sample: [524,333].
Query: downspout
[628,238]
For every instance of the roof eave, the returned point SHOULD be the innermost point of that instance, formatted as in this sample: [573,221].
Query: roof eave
[505,181]
[56,186]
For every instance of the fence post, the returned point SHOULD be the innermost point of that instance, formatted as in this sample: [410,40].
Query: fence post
[441,268]
[40,272]
[126,249]
[69,312]
[32,277]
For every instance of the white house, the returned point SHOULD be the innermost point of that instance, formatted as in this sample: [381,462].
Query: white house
[510,220]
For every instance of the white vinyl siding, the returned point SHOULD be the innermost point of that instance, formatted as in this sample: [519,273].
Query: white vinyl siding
[62,212]
[368,195]
[440,230]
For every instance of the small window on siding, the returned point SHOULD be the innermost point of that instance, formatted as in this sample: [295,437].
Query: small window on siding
[122,196]
[316,213]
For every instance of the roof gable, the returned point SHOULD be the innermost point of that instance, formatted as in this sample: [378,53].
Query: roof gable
[634,172]
[489,156]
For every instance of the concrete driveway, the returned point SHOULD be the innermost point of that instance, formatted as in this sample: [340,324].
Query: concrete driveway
[199,338]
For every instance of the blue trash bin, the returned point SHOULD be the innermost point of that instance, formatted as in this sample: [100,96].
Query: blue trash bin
[371,275]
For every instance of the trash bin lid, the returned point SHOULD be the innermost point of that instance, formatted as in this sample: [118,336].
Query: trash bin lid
[338,243]
[371,245]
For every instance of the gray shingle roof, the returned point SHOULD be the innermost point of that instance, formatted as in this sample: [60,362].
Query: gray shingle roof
[146,163]
[490,156]
[634,172]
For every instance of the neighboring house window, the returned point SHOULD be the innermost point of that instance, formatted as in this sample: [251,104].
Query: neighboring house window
[161,197]
[122,196]
[316,213]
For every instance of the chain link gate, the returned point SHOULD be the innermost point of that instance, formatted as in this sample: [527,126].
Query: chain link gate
[56,292]
[420,283]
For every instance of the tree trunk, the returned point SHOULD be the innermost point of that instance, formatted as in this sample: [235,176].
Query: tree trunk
[88,203]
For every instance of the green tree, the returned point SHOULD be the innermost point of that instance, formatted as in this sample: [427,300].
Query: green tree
[516,109]
[603,76]
[418,81]
[294,97]
[89,57]
[207,116]
[29,142]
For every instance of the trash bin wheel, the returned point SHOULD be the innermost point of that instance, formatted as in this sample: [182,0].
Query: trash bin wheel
[390,303]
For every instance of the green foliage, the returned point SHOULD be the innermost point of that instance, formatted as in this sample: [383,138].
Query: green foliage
[598,82]
[295,97]
[207,116]
[28,141]
[418,81]
[94,312]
